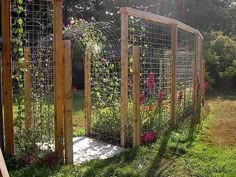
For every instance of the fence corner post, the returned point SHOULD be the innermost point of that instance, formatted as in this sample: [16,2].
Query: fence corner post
[195,80]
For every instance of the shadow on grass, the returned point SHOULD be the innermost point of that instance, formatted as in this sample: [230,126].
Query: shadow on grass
[193,129]
[157,168]
[157,162]
[107,167]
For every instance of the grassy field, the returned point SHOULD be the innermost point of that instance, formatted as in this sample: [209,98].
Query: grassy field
[208,149]
[78,113]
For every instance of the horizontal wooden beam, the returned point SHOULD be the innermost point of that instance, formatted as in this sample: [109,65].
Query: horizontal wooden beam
[160,19]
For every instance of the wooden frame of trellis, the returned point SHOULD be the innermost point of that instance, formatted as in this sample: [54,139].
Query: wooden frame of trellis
[62,86]
[175,25]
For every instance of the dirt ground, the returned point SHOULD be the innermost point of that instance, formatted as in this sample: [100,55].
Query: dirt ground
[223,130]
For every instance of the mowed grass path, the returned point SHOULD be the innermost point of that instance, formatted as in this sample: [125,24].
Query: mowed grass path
[78,113]
[202,151]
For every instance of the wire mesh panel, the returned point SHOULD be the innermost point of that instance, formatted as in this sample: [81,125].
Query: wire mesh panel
[185,72]
[154,40]
[105,86]
[102,41]
[33,90]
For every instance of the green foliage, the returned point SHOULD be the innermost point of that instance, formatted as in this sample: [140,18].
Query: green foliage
[220,55]
[29,138]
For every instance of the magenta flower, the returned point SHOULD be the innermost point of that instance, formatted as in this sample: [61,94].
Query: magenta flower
[72,21]
[148,137]
[141,98]
[160,98]
[180,97]
[150,81]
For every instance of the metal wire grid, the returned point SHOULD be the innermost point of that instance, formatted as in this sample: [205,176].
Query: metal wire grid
[37,26]
[105,82]
[185,61]
[154,40]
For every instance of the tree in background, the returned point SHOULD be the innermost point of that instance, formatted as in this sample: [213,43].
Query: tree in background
[220,54]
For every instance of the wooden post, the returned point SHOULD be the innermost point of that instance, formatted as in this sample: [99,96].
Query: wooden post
[195,74]
[203,81]
[1,107]
[124,75]
[136,94]
[174,74]
[68,124]
[87,91]
[168,78]
[27,85]
[7,77]
[59,77]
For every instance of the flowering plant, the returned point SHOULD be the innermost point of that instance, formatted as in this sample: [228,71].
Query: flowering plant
[148,137]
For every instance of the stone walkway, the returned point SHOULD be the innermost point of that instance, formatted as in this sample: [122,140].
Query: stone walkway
[86,149]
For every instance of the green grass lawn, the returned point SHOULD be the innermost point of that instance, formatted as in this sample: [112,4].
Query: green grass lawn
[186,152]
[78,113]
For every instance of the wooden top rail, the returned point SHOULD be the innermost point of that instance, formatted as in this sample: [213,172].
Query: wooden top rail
[159,19]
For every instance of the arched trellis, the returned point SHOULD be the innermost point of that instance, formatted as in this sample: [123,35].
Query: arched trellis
[102,70]
[102,41]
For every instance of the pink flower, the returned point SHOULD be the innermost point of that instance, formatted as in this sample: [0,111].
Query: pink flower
[148,137]
[141,98]
[150,81]
[72,21]
[160,97]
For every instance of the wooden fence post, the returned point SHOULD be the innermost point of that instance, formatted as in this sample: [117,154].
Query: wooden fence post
[87,91]
[195,74]
[174,74]
[1,107]
[124,75]
[168,66]
[7,77]
[136,94]
[203,81]
[59,77]
[27,86]
[68,124]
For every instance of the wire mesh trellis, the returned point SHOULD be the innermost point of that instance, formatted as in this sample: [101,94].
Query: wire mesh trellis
[167,73]
[31,23]
[154,40]
[185,74]
[102,40]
